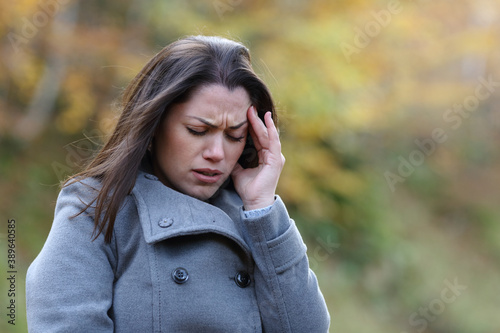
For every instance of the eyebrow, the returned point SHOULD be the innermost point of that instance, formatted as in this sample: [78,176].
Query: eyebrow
[206,122]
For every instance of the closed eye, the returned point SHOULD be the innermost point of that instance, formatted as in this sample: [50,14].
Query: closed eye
[202,133]
[197,133]
[235,139]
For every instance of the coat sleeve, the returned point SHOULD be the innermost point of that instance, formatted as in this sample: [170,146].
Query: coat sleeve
[287,290]
[69,286]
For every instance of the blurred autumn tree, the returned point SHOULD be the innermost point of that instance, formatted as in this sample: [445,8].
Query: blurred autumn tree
[389,123]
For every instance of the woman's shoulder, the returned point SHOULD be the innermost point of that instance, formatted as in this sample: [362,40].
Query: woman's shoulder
[80,184]
[81,189]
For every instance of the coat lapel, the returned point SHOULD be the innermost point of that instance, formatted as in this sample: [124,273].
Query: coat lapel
[165,213]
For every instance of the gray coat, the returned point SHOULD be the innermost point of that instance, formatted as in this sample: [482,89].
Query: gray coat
[175,264]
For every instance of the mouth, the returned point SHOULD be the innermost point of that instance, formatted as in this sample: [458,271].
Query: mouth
[211,174]
[207,175]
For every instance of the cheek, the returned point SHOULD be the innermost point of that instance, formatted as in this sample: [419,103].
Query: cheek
[185,150]
[235,152]
[166,150]
[173,141]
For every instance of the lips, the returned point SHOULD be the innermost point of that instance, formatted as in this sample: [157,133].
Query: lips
[207,175]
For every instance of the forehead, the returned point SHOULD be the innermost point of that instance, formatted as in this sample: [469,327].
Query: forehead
[218,104]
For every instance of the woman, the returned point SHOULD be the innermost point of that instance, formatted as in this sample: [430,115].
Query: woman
[175,225]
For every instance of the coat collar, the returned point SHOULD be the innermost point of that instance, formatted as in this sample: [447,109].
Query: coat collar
[165,213]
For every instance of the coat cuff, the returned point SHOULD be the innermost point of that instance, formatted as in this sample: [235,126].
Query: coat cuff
[276,232]
[256,212]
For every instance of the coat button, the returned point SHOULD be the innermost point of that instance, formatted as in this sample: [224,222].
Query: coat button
[165,222]
[180,275]
[242,279]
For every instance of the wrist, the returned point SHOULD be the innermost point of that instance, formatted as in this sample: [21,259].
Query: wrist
[258,204]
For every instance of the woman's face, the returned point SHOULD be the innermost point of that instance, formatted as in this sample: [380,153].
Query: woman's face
[199,141]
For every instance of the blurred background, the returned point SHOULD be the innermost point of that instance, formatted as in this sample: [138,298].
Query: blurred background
[389,124]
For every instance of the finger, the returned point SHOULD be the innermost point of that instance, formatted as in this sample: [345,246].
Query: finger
[260,130]
[274,139]
[255,139]
[250,114]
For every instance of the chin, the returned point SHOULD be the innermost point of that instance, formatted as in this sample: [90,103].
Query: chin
[201,192]
[204,194]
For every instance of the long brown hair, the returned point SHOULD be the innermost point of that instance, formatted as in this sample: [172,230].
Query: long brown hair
[168,78]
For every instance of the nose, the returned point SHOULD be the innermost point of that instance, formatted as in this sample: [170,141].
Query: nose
[214,149]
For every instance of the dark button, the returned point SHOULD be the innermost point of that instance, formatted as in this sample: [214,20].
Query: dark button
[242,279]
[180,275]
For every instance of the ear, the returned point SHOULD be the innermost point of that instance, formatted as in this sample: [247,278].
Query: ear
[152,143]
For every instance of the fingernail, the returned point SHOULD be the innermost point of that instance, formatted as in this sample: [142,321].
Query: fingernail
[254,111]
